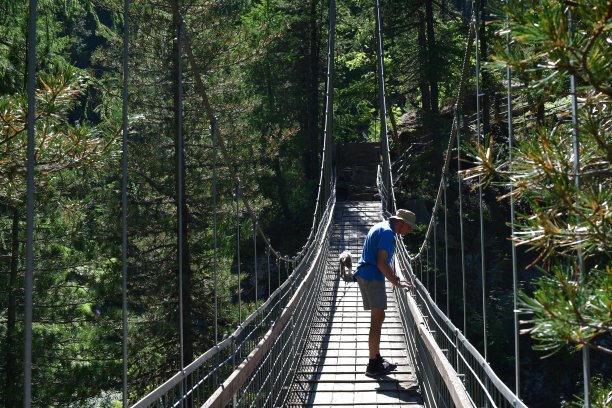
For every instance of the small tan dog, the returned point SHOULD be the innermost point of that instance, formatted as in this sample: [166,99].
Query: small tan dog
[345,268]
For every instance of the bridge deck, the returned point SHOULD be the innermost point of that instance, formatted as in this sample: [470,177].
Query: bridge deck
[332,369]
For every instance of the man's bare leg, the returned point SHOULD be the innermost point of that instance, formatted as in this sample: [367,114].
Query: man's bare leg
[377,317]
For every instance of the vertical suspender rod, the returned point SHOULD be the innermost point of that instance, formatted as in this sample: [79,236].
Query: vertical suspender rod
[124,197]
[459,124]
[386,176]
[255,257]
[214,130]
[446,246]
[30,202]
[478,13]
[586,361]
[180,192]
[517,361]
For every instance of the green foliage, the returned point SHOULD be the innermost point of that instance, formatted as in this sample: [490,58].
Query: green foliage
[565,214]
[72,333]
[544,25]
[568,312]
[73,325]
[355,68]
[262,64]
[63,145]
[601,395]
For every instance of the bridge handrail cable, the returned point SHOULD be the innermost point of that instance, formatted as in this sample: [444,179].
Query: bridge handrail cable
[420,326]
[449,337]
[268,315]
[236,380]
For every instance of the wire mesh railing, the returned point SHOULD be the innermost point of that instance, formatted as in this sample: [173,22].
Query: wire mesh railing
[482,385]
[279,325]
[268,384]
[430,377]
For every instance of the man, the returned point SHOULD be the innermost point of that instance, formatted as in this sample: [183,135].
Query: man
[374,266]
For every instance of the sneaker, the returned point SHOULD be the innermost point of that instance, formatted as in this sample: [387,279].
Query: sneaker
[392,366]
[378,368]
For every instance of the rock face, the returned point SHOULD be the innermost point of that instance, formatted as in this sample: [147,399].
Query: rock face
[356,167]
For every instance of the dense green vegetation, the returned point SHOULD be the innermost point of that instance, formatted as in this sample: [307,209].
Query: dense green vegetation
[262,67]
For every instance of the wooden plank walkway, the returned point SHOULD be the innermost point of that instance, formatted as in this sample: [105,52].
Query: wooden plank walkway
[331,372]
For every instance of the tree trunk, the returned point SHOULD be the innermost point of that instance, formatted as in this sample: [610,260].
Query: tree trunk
[276,165]
[11,399]
[394,133]
[425,95]
[280,185]
[497,108]
[540,112]
[433,56]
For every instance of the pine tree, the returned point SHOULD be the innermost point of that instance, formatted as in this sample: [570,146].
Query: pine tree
[566,217]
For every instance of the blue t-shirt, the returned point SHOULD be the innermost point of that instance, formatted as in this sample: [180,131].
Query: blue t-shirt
[380,236]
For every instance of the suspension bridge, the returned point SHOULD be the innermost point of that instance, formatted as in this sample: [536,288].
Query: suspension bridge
[306,345]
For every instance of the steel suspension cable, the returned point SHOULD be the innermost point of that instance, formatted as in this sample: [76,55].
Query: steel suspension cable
[30,202]
[238,253]
[329,98]
[179,182]
[214,130]
[586,362]
[442,197]
[435,256]
[461,228]
[296,262]
[478,13]
[255,256]
[180,191]
[124,197]
[455,134]
[517,361]
[445,181]
[387,174]
[268,264]
[454,129]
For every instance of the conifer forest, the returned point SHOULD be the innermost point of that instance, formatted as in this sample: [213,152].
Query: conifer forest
[260,66]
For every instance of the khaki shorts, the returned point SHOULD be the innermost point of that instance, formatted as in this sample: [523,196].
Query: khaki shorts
[373,293]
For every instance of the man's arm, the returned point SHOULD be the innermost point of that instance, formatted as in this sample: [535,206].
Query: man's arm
[381,263]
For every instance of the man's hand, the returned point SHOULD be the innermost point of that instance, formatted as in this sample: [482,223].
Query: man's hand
[404,285]
[400,283]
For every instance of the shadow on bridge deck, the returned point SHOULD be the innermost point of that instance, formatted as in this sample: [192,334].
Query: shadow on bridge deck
[331,372]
